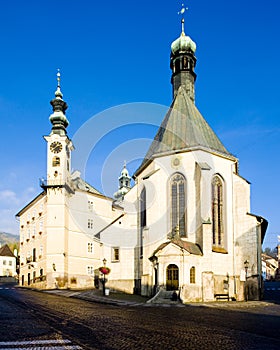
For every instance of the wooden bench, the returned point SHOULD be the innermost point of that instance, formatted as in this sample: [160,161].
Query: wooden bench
[221,296]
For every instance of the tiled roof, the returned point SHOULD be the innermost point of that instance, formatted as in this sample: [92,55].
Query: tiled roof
[6,251]
[190,247]
[81,184]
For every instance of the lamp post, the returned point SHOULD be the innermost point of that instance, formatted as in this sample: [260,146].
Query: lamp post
[104,280]
[246,265]
[104,270]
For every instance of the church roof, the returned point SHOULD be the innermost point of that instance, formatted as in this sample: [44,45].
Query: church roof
[81,184]
[190,247]
[184,129]
[6,251]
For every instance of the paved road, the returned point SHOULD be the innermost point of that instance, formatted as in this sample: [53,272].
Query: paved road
[46,321]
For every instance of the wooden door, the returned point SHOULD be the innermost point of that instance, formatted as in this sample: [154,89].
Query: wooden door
[172,277]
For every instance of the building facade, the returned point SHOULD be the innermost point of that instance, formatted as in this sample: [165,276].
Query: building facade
[192,230]
[7,262]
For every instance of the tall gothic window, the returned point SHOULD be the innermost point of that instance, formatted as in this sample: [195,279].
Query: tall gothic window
[217,212]
[143,216]
[143,205]
[178,205]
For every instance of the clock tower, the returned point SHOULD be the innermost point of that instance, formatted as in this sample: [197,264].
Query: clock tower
[59,145]
[59,190]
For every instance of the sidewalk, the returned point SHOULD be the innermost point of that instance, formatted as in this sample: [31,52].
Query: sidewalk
[95,295]
[122,299]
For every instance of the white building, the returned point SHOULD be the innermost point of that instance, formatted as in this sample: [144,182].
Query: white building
[193,231]
[7,262]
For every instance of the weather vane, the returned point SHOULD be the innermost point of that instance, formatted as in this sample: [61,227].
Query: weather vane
[182,12]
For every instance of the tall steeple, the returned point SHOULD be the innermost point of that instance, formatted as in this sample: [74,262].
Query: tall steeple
[183,129]
[124,183]
[58,118]
[59,145]
[183,61]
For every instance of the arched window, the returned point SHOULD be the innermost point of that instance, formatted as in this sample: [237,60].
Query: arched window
[178,205]
[56,161]
[217,211]
[192,274]
[143,205]
[143,217]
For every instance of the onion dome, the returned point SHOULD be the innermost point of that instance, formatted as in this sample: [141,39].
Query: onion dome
[182,63]
[58,118]
[124,173]
[124,184]
[183,43]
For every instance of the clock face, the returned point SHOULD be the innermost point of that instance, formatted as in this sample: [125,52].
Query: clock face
[56,147]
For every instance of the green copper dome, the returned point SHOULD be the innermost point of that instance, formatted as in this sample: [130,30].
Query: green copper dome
[183,43]
[58,117]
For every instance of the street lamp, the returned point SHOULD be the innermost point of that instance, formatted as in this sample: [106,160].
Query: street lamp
[104,270]
[104,280]
[246,292]
[246,265]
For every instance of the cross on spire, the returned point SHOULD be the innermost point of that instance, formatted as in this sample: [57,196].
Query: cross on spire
[182,12]
[58,77]
[58,92]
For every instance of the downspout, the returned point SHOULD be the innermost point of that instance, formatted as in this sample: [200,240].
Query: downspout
[233,235]
[183,274]
[259,258]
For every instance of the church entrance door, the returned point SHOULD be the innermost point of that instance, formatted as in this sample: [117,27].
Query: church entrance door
[172,277]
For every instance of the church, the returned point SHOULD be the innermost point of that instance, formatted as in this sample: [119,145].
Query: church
[191,230]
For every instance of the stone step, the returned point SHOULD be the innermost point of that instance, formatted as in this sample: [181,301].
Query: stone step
[164,297]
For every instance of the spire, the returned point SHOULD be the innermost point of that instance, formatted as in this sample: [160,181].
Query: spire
[183,61]
[124,183]
[182,12]
[58,92]
[58,118]
[183,129]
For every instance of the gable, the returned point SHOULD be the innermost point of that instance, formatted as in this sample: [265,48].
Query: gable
[175,246]
[6,251]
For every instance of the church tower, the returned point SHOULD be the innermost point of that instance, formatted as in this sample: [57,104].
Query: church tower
[124,184]
[59,144]
[182,63]
[58,187]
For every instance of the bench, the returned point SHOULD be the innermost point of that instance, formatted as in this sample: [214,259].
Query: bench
[222,296]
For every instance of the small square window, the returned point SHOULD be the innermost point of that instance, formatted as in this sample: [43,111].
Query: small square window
[90,247]
[90,270]
[10,263]
[90,224]
[90,205]
[4,262]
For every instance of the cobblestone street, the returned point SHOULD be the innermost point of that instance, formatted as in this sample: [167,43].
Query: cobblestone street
[32,316]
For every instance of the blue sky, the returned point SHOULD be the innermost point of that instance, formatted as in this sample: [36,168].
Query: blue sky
[117,52]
